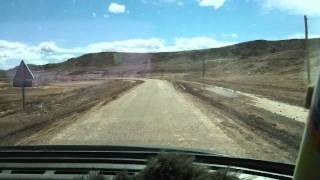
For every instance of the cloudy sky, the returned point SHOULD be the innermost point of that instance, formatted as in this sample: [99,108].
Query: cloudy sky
[48,31]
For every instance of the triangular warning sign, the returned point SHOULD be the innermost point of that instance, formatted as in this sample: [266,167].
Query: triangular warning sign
[23,77]
[23,73]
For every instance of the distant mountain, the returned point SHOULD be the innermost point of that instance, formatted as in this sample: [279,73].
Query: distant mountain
[254,57]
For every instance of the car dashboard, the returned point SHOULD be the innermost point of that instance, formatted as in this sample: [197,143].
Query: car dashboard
[82,162]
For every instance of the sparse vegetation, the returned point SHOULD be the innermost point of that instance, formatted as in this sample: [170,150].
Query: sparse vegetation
[3,77]
[47,104]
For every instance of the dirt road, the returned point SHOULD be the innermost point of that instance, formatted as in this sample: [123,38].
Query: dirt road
[154,113]
[185,115]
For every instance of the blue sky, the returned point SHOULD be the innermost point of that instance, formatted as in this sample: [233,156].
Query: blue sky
[48,31]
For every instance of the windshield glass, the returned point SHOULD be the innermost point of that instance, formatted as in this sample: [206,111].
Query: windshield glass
[223,76]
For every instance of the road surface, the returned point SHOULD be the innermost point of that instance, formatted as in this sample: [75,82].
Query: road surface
[154,113]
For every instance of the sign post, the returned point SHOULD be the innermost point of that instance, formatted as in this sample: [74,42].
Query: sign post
[23,98]
[23,78]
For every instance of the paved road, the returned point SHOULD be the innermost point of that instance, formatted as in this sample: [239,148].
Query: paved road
[154,113]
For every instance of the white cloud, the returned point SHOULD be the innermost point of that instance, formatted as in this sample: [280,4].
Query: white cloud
[157,45]
[233,35]
[49,52]
[302,36]
[308,7]
[2,64]
[11,45]
[180,3]
[132,45]
[117,8]
[60,57]
[17,50]
[48,47]
[216,4]
[46,52]
[197,43]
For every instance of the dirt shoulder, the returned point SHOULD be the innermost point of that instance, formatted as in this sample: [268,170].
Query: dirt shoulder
[262,133]
[49,104]
[284,88]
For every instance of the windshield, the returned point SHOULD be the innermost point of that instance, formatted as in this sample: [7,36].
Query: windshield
[223,76]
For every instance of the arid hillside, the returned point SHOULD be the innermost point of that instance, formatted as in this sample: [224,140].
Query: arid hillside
[254,57]
[270,65]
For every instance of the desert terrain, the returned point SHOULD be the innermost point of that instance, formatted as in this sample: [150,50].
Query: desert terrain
[244,100]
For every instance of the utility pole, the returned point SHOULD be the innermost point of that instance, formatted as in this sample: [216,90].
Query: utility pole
[203,67]
[306,48]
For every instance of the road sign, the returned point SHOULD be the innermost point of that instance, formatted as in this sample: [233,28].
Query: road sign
[23,78]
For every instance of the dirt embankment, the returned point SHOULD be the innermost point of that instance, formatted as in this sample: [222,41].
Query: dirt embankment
[267,134]
[49,104]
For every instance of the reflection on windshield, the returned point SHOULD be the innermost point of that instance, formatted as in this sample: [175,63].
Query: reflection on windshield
[156,74]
